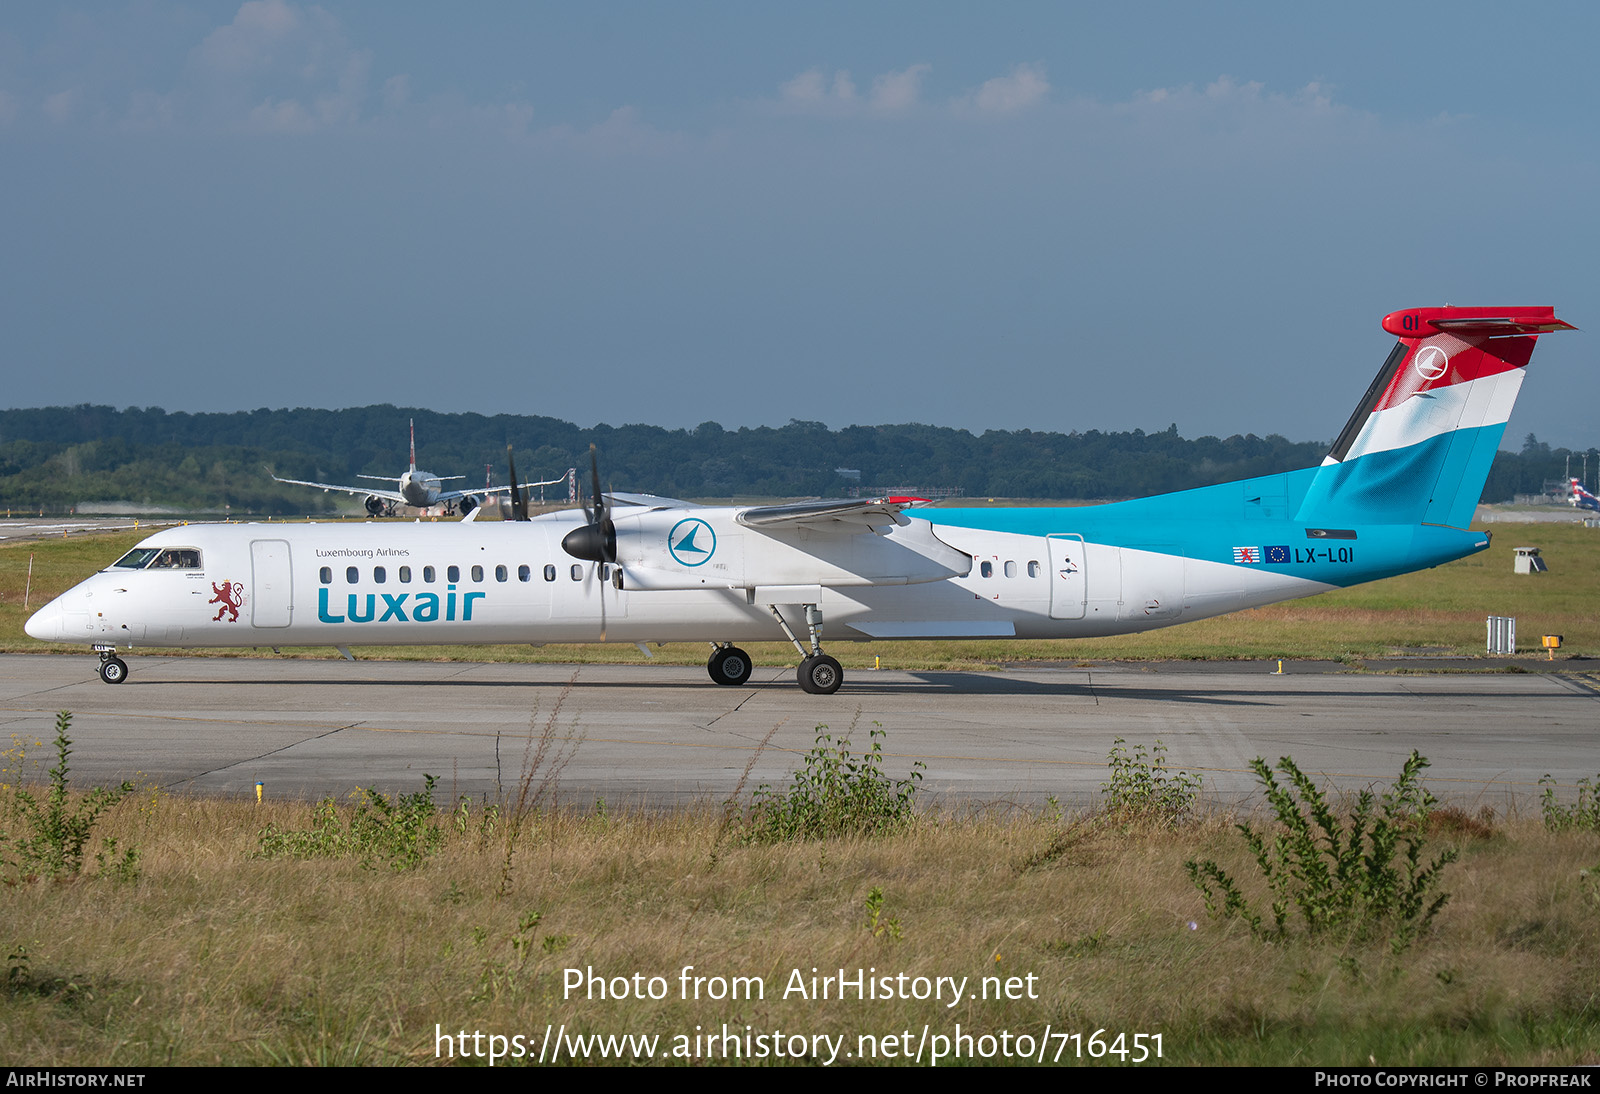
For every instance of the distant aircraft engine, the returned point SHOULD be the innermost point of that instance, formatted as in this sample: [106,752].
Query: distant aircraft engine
[467,504]
[375,505]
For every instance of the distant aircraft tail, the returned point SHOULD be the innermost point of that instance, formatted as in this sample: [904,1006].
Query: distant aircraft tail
[1581,498]
[1418,448]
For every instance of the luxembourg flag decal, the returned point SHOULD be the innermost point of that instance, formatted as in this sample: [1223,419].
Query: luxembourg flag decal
[1247,556]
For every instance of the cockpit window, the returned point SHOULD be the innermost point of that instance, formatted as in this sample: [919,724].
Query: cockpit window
[136,559]
[159,558]
[177,558]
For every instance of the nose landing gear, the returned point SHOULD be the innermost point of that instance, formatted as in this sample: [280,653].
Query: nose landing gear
[113,669]
[729,666]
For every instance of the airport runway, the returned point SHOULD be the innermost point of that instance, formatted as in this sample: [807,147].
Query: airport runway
[656,735]
[17,529]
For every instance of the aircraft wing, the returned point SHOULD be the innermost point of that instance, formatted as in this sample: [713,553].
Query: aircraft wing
[646,501]
[493,491]
[847,517]
[364,491]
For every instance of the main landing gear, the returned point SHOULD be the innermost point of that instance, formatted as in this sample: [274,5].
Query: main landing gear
[818,674]
[729,666]
[113,669]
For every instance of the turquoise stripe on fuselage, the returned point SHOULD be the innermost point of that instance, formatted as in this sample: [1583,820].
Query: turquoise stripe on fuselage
[1379,497]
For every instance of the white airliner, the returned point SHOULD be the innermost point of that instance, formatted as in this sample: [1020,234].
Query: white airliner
[1395,494]
[419,488]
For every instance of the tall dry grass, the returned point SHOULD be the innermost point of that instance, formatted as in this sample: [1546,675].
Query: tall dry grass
[216,955]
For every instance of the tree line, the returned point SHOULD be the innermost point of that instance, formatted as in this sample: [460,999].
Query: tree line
[56,458]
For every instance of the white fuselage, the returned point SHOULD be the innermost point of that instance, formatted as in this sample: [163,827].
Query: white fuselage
[376,583]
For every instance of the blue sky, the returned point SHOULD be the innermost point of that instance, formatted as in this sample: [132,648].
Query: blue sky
[1043,216]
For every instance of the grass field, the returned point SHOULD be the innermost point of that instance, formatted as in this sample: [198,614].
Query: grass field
[213,954]
[1438,611]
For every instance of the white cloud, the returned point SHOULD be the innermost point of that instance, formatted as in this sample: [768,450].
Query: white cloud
[250,42]
[1025,86]
[58,107]
[283,68]
[287,116]
[813,90]
[894,92]
[396,92]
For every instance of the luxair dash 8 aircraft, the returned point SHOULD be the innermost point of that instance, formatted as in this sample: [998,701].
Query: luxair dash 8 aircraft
[1395,494]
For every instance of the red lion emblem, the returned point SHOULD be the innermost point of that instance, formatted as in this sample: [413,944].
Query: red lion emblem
[231,597]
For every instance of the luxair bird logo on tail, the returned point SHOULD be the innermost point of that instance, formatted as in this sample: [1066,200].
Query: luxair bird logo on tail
[1581,498]
[692,542]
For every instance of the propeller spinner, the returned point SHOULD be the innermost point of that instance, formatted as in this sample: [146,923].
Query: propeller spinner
[597,540]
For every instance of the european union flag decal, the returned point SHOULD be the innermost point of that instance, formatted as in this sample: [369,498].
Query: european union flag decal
[1277,554]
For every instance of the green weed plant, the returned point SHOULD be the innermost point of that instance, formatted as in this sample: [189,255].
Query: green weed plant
[1355,877]
[1581,816]
[57,829]
[403,832]
[1144,791]
[836,792]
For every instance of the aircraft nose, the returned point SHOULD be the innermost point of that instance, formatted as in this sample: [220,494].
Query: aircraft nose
[45,624]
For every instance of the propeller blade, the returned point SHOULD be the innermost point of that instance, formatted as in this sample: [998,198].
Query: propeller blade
[519,506]
[594,488]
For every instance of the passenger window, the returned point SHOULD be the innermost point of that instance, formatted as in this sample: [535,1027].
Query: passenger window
[577,572]
[986,569]
[500,573]
[452,573]
[352,575]
[1011,568]
[379,574]
[405,575]
[524,572]
[326,574]
[549,572]
[477,573]
[428,575]
[1033,569]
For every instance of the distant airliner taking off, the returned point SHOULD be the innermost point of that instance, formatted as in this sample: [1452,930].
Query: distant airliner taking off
[419,488]
[1394,494]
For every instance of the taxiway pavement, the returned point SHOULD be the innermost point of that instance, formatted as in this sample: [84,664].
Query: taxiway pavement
[658,735]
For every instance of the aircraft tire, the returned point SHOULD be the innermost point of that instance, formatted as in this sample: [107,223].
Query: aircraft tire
[729,666]
[113,670]
[820,675]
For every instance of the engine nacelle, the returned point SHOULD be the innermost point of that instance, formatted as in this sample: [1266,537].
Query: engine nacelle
[375,505]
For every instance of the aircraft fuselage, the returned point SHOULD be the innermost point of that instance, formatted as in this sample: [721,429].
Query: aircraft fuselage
[401,584]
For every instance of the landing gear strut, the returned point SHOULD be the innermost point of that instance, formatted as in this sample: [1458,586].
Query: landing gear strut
[113,669]
[729,666]
[818,674]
